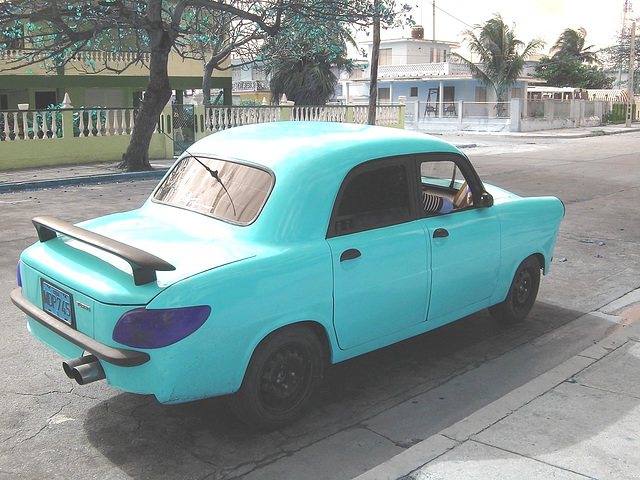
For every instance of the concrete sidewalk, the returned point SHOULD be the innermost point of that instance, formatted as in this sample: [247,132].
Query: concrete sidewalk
[90,173]
[581,420]
[582,132]
[567,133]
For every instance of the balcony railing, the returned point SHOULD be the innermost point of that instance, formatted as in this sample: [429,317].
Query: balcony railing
[422,70]
[458,110]
[250,86]
[85,56]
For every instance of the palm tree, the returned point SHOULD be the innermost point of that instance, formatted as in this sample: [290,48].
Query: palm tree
[502,55]
[306,81]
[571,44]
[301,62]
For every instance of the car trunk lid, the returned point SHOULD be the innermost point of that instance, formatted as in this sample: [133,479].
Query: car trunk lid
[103,257]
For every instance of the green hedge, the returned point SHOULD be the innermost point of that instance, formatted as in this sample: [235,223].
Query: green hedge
[619,113]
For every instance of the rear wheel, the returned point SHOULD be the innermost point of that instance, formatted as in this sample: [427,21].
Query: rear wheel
[522,294]
[283,374]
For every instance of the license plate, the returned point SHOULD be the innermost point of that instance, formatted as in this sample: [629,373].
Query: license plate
[57,302]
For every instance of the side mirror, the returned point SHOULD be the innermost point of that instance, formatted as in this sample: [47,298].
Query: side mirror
[486,199]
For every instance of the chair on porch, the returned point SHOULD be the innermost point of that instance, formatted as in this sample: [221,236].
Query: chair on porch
[428,110]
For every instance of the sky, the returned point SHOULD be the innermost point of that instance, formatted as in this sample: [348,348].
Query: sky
[545,19]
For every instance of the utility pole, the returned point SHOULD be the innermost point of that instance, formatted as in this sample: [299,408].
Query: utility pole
[630,80]
[434,20]
[373,68]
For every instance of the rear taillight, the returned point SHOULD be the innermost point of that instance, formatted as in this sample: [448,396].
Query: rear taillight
[142,328]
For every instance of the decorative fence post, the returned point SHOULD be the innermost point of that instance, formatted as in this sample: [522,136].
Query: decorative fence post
[199,122]
[67,123]
[350,111]
[516,115]
[549,109]
[285,113]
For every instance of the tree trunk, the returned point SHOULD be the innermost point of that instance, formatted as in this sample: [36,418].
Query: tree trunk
[158,93]
[501,96]
[209,67]
[375,56]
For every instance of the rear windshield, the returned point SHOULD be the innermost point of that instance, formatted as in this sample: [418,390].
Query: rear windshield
[229,191]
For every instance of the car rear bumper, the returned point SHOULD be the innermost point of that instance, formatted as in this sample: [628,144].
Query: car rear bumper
[116,356]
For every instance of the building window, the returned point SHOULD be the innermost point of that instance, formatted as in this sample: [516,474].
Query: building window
[384,95]
[449,94]
[259,73]
[45,99]
[516,93]
[385,57]
[481,94]
[413,92]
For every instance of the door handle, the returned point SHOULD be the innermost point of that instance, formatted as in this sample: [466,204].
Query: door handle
[350,254]
[440,233]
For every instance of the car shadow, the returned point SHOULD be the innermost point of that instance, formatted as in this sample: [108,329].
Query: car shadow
[146,439]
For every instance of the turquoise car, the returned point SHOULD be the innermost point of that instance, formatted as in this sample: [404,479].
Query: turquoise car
[269,251]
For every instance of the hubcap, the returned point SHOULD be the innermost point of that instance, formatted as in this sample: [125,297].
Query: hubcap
[285,379]
[522,287]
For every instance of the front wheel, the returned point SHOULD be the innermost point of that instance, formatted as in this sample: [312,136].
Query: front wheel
[522,294]
[283,374]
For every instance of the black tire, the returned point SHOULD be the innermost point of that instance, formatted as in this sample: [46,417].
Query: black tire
[284,372]
[522,294]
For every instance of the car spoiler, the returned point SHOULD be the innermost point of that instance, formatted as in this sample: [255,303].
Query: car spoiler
[143,264]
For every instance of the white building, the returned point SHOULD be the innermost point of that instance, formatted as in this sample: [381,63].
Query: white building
[418,70]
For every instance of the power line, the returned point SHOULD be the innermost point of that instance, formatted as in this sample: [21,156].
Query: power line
[431,2]
[452,16]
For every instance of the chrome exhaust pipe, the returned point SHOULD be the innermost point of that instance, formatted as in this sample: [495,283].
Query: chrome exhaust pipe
[84,370]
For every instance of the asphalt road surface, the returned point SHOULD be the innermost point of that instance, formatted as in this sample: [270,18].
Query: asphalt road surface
[370,408]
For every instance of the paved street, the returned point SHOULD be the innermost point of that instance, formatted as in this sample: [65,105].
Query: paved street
[371,408]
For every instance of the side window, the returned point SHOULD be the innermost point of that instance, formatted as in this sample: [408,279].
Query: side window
[373,195]
[444,188]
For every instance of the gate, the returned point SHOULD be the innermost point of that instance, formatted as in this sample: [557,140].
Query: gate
[183,127]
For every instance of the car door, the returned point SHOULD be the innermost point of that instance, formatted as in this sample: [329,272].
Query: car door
[379,254]
[465,241]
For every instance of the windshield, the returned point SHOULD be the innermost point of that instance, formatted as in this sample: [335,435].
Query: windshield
[229,191]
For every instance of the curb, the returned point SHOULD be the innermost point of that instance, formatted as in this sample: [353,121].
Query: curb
[596,132]
[466,145]
[88,180]
[418,456]
[559,133]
